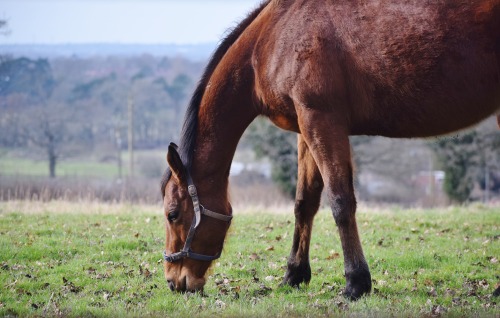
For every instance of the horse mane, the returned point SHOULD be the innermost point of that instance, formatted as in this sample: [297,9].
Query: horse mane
[190,126]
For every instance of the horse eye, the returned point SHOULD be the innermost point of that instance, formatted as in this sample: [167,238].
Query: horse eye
[172,216]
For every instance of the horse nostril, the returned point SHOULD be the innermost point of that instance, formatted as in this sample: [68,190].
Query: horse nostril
[171,285]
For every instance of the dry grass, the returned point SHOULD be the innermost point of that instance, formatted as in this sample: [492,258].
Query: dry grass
[134,191]
[57,207]
[95,207]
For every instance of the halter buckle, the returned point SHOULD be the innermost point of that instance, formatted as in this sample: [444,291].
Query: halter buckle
[192,191]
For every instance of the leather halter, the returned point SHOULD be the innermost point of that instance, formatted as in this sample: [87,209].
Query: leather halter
[198,211]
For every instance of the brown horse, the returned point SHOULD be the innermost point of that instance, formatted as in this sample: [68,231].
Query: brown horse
[325,70]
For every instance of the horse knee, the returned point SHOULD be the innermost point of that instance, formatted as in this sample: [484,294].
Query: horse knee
[301,206]
[307,207]
[343,208]
[301,210]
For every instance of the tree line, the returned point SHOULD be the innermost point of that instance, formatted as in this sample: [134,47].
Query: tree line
[69,107]
[470,160]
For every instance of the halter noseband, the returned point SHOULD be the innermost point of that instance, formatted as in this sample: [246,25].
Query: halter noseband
[198,211]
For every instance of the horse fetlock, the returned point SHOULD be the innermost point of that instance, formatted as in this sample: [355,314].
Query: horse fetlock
[297,274]
[358,283]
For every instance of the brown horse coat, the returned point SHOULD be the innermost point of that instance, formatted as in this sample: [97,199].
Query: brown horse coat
[392,68]
[327,69]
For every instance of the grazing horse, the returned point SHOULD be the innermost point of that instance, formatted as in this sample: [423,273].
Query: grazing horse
[325,70]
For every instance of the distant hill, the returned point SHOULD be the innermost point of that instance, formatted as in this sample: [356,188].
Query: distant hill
[196,52]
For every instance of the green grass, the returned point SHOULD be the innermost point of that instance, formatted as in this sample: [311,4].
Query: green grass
[90,165]
[28,167]
[85,260]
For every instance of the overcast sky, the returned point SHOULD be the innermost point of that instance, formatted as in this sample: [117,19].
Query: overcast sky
[121,21]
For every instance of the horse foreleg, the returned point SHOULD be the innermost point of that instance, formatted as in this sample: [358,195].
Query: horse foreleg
[327,138]
[309,187]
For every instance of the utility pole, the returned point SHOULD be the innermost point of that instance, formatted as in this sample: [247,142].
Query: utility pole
[131,135]
[432,182]
[486,184]
[118,143]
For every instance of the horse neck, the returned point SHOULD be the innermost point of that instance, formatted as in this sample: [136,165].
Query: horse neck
[225,112]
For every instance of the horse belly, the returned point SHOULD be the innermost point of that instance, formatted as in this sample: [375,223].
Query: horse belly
[426,121]
[454,97]
[423,72]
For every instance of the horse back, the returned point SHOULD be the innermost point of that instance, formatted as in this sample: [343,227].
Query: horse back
[388,67]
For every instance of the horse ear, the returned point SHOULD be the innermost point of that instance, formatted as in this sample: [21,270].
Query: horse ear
[175,163]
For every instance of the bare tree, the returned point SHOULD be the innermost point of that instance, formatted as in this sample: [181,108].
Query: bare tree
[55,132]
[41,122]
[48,130]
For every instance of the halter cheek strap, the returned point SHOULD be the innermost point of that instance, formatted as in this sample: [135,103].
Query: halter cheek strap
[186,250]
[198,211]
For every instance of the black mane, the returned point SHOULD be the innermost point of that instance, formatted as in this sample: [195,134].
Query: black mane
[190,126]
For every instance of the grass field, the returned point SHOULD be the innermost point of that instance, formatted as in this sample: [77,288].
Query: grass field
[89,259]
[28,167]
[12,163]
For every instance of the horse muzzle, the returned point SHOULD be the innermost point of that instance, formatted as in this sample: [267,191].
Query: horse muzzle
[186,284]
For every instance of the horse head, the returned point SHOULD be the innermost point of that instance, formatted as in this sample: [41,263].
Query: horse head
[192,241]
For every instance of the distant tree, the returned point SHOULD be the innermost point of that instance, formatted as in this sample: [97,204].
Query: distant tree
[145,72]
[457,157]
[55,128]
[86,100]
[178,89]
[156,119]
[48,130]
[279,146]
[88,89]
[470,158]
[25,76]
[23,83]
[39,121]
[487,168]
[10,129]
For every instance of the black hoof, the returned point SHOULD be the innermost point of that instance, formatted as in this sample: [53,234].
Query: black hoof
[297,274]
[359,283]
